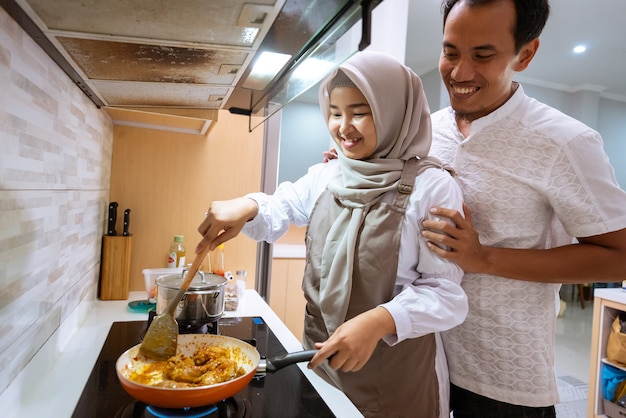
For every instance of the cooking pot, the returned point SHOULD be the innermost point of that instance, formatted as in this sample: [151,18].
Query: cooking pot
[202,303]
[246,355]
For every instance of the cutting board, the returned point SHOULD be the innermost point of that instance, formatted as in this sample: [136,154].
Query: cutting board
[115,267]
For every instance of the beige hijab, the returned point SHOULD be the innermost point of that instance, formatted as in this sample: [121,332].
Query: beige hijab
[402,119]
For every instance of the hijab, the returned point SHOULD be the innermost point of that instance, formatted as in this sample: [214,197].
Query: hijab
[402,120]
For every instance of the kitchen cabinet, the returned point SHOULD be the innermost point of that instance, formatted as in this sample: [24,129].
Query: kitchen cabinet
[285,294]
[607,305]
[286,297]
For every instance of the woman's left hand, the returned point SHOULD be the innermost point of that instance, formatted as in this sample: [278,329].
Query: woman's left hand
[353,343]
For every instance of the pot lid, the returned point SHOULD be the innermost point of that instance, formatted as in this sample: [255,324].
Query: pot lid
[207,281]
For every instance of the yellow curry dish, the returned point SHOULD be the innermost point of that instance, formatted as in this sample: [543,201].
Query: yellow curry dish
[208,365]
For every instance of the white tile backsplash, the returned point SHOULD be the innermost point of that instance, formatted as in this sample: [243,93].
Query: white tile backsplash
[55,160]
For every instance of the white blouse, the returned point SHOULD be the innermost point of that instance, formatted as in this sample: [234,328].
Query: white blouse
[428,296]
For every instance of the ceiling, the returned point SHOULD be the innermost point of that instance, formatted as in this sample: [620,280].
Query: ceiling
[596,23]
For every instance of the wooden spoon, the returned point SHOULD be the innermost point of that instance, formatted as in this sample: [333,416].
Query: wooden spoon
[161,339]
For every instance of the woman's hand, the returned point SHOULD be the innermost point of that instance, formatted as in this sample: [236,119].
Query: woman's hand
[353,343]
[224,220]
[457,241]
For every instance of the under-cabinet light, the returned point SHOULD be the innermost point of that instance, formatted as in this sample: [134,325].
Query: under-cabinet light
[265,69]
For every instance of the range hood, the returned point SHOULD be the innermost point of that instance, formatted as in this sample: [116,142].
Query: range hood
[190,54]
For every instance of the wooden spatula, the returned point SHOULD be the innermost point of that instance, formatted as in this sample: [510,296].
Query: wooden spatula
[161,338]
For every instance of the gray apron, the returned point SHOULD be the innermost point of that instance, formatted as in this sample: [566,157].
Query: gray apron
[399,380]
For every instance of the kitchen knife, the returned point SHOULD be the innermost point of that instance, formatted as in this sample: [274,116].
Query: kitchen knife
[112,219]
[126,222]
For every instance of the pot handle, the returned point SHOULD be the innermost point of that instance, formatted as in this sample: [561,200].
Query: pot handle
[278,362]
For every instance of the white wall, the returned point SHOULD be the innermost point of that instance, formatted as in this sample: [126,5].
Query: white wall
[303,138]
[612,126]
[55,160]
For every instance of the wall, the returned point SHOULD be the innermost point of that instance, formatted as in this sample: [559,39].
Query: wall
[612,120]
[168,179]
[54,183]
[304,136]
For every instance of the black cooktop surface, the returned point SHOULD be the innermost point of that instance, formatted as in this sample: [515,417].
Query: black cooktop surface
[285,393]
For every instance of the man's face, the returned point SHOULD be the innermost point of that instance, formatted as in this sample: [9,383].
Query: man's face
[478,59]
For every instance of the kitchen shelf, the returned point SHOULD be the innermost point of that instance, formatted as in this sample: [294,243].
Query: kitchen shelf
[608,303]
[610,363]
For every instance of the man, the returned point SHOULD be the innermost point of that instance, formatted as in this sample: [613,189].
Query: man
[532,177]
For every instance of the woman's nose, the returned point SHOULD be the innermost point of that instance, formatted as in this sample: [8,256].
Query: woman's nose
[345,127]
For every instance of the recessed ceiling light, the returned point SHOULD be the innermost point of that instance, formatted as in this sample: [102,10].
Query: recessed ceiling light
[579,49]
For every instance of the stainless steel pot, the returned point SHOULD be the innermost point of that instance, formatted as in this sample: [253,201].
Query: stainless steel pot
[203,301]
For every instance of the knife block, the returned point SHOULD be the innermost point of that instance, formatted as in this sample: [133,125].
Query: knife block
[115,268]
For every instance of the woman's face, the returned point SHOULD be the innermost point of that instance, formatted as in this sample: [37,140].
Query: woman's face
[351,123]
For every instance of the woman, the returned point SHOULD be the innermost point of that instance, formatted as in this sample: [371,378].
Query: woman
[376,296]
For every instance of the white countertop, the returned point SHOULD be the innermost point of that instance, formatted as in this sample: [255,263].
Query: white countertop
[52,382]
[288,251]
[613,294]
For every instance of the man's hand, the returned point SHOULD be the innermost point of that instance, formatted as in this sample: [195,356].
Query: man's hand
[331,154]
[456,240]
[224,220]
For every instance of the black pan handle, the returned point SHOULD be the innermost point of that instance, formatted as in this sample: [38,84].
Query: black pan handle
[278,362]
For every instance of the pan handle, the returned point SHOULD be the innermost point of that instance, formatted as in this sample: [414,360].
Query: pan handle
[278,362]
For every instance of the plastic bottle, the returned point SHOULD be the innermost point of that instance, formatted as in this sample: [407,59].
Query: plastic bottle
[176,256]
[217,260]
[231,295]
[240,277]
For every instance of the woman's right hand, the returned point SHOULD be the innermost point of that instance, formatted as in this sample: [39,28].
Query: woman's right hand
[224,220]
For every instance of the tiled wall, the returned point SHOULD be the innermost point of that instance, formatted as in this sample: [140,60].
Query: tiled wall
[55,159]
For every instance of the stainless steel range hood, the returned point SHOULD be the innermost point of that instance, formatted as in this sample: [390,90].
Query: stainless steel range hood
[189,54]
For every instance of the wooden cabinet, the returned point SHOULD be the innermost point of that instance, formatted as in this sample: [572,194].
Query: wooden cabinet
[285,294]
[286,297]
[607,305]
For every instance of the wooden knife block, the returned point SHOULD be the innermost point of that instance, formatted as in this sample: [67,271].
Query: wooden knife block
[115,268]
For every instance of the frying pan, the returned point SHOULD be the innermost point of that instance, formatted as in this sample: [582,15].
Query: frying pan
[245,354]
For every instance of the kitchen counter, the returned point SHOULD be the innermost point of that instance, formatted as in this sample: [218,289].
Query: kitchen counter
[52,382]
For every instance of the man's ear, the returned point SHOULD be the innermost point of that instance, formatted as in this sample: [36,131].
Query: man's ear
[526,54]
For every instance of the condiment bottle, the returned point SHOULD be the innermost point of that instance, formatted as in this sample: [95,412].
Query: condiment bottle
[231,296]
[240,277]
[176,256]
[217,260]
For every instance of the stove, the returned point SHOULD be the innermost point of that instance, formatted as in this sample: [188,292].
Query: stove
[285,393]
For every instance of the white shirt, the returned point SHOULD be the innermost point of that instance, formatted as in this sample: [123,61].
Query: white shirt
[533,178]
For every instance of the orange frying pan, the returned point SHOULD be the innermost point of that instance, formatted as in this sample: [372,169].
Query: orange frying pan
[246,355]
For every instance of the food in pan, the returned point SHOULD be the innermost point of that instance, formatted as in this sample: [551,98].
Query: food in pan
[209,364]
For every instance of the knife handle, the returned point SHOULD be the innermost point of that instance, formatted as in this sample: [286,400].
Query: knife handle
[126,222]
[112,219]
